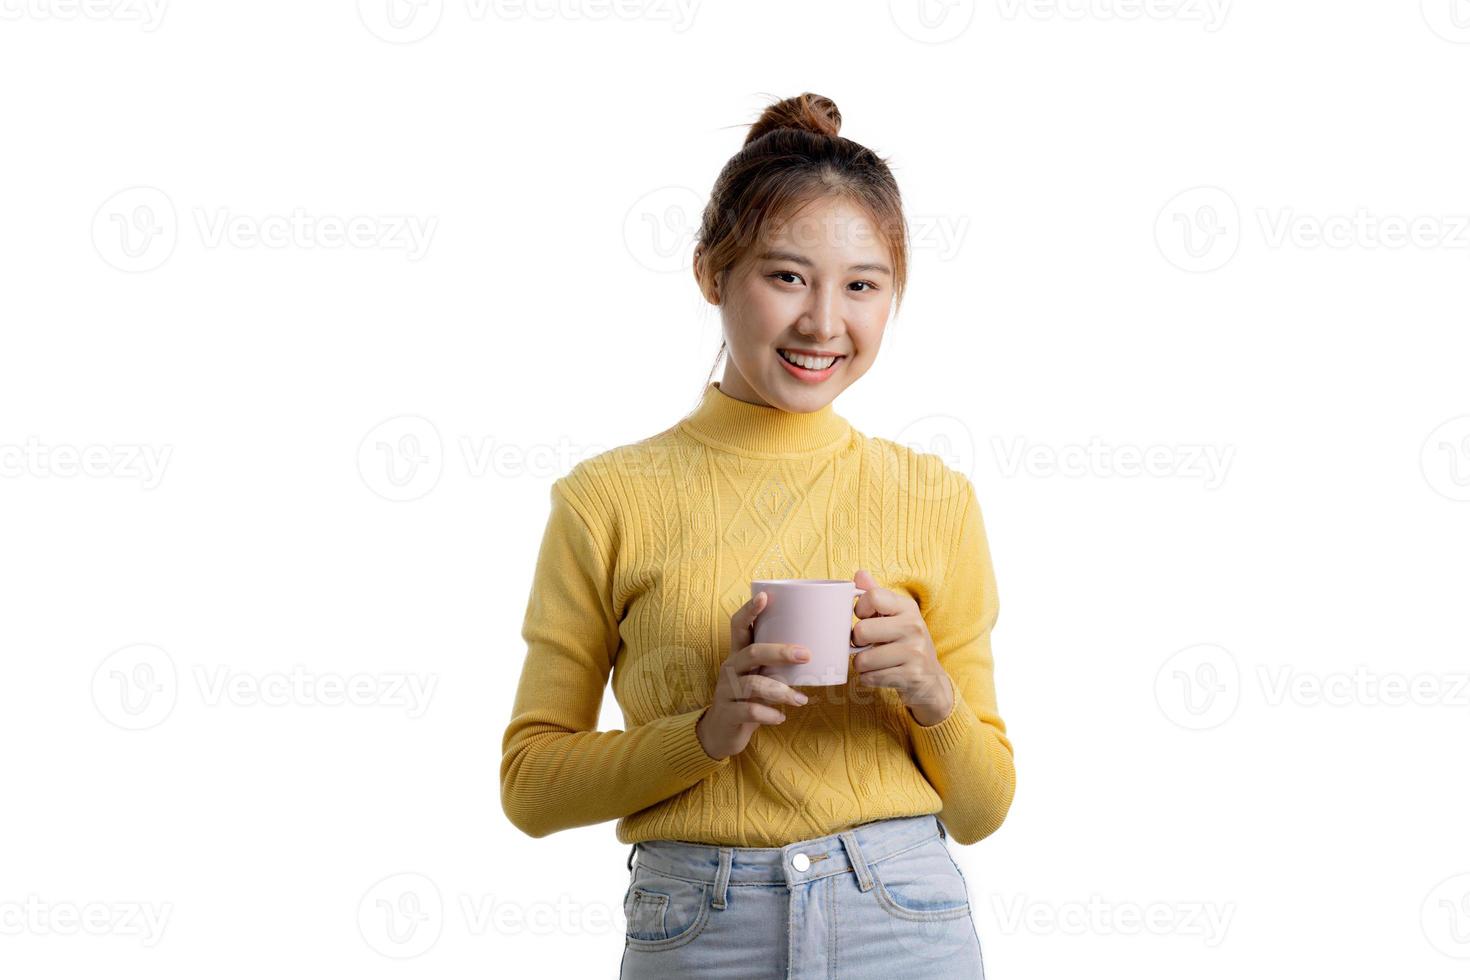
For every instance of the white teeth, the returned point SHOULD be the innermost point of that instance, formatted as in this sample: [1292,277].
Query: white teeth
[810,363]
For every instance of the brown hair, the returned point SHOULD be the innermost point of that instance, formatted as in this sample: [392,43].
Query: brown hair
[791,157]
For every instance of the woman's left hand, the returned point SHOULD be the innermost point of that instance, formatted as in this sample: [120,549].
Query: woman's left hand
[903,655]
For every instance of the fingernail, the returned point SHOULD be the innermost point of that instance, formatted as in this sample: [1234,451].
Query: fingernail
[800,698]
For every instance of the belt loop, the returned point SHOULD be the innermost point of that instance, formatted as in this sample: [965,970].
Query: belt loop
[722,877]
[855,854]
[631,851]
[941,826]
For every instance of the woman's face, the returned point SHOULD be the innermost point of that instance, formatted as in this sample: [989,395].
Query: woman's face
[822,282]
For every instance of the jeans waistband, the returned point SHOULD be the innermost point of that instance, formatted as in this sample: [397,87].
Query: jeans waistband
[848,851]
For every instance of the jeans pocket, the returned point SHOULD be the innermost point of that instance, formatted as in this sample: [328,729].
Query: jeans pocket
[663,911]
[921,883]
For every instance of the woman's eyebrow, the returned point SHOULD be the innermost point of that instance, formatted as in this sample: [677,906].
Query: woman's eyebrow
[803,260]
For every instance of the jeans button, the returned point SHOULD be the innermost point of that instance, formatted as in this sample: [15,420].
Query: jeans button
[801,862]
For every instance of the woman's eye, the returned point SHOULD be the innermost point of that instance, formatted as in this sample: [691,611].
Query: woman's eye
[871,286]
[792,274]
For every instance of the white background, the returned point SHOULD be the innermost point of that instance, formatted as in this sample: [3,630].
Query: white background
[1176,229]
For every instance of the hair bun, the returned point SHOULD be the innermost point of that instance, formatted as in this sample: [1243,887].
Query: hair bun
[809,111]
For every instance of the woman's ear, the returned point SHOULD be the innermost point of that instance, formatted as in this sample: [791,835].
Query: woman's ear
[712,295]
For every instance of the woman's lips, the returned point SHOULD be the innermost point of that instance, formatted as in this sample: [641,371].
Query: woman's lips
[810,376]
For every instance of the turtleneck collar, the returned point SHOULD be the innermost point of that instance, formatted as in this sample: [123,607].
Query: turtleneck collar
[725,422]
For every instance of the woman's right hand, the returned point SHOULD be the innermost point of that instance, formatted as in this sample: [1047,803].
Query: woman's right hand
[744,697]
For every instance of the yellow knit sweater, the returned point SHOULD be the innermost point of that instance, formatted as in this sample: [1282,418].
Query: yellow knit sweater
[649,549]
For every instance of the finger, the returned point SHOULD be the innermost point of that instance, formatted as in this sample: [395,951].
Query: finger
[742,624]
[887,677]
[762,714]
[768,654]
[877,601]
[879,629]
[881,656]
[769,689]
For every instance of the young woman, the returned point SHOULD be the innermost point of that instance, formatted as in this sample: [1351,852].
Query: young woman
[778,832]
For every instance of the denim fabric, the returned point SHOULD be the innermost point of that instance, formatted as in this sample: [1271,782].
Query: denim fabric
[879,901]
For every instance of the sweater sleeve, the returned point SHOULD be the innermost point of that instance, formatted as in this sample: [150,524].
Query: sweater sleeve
[967,757]
[556,772]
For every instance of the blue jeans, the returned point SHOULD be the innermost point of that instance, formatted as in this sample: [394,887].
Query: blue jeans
[882,900]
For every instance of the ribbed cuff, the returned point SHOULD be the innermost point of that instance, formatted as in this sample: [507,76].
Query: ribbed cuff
[685,755]
[955,731]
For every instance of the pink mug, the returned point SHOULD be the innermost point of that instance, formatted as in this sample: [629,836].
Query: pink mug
[816,613]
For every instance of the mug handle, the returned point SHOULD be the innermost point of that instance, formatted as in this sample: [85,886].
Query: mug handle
[866,646]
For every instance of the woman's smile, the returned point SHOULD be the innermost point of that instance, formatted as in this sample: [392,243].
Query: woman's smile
[808,366]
